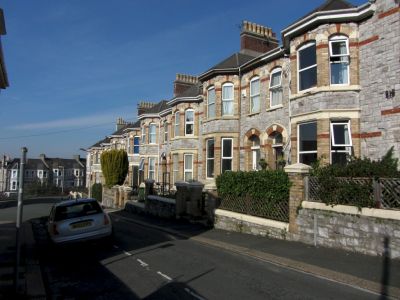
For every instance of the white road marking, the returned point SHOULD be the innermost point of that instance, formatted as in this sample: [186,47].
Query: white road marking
[165,276]
[127,253]
[115,246]
[193,294]
[142,263]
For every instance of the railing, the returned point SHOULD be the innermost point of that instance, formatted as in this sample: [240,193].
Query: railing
[384,192]
[257,207]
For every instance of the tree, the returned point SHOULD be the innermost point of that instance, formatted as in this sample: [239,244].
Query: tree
[114,165]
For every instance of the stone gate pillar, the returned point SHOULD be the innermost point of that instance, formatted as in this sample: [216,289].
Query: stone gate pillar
[181,197]
[297,173]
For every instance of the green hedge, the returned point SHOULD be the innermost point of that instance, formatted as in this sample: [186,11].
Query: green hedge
[97,191]
[269,185]
[114,165]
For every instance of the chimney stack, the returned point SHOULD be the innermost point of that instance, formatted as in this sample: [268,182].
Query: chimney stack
[256,39]
[143,106]
[120,123]
[183,82]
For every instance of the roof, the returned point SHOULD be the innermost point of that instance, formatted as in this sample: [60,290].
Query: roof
[159,107]
[193,91]
[232,63]
[98,144]
[121,131]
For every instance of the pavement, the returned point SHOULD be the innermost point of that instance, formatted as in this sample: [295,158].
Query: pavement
[380,275]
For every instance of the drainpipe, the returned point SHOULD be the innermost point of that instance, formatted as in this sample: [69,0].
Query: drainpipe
[240,115]
[158,150]
[289,142]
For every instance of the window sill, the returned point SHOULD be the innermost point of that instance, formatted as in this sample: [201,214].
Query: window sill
[222,118]
[330,88]
[253,113]
[275,107]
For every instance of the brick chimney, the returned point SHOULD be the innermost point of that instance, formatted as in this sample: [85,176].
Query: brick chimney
[120,123]
[256,39]
[143,106]
[183,82]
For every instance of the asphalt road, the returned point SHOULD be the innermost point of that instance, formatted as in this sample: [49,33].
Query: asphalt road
[145,263]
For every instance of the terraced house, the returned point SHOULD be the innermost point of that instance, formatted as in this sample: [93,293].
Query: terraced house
[328,91]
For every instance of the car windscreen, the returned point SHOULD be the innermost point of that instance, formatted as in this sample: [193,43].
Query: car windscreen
[76,210]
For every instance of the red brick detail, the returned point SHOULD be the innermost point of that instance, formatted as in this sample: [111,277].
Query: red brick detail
[245,148]
[217,148]
[198,163]
[279,129]
[370,40]
[252,131]
[267,146]
[245,86]
[366,135]
[389,12]
[305,37]
[338,28]
[293,57]
[353,44]
[198,113]
[236,148]
[264,79]
[270,130]
[218,89]
[293,138]
[322,46]
[390,111]
[323,136]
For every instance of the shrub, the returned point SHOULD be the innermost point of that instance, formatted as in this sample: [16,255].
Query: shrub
[272,186]
[97,191]
[114,165]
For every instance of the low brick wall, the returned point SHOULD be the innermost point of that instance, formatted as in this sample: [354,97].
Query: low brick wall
[347,228]
[236,222]
[161,207]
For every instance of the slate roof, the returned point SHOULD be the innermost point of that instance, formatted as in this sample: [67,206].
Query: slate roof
[98,144]
[121,131]
[193,91]
[159,107]
[53,163]
[327,6]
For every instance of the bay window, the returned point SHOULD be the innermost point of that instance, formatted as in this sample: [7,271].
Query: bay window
[227,99]
[165,132]
[175,167]
[275,87]
[339,60]
[189,122]
[136,145]
[211,102]
[143,135]
[255,95]
[210,158]
[307,66]
[227,155]
[307,143]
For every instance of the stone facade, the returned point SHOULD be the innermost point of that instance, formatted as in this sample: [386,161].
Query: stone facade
[364,102]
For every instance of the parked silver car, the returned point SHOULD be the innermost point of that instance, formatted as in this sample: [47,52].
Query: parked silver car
[78,220]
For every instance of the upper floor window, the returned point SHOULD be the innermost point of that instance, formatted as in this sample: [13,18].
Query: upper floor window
[14,173]
[339,60]
[255,95]
[177,116]
[143,135]
[189,122]
[227,99]
[136,145]
[211,102]
[152,134]
[307,66]
[165,132]
[275,87]
[307,143]
[227,155]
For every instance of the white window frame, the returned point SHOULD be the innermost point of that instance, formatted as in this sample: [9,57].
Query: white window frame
[177,123]
[225,100]
[136,146]
[14,174]
[152,135]
[339,38]
[185,167]
[143,134]
[227,157]
[40,173]
[275,88]
[310,44]
[334,144]
[165,131]
[175,166]
[210,160]
[141,164]
[298,141]
[252,96]
[189,122]
[150,170]
[212,104]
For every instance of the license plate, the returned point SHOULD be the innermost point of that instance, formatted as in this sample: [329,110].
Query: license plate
[81,224]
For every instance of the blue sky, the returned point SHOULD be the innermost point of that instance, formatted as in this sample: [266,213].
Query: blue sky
[75,66]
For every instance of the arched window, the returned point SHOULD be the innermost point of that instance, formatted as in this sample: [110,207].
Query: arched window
[227,99]
[307,66]
[339,60]
[255,152]
[189,122]
[255,95]
[152,133]
[275,87]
